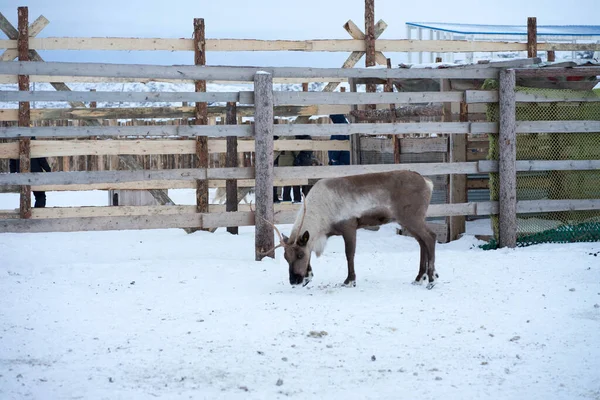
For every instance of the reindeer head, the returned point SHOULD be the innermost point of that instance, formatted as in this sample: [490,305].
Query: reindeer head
[297,254]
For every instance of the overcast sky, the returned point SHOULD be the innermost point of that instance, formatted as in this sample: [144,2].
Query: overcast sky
[271,19]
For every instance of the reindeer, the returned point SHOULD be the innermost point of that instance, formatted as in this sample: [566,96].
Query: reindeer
[341,206]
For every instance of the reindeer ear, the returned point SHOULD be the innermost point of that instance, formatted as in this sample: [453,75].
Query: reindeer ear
[285,239]
[304,239]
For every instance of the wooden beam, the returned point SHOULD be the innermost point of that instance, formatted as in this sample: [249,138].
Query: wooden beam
[263,132]
[507,160]
[183,72]
[4,79]
[542,165]
[457,183]
[293,129]
[59,148]
[201,115]
[556,72]
[491,96]
[370,43]
[130,97]
[24,112]
[350,98]
[162,112]
[231,161]
[126,217]
[327,45]
[531,37]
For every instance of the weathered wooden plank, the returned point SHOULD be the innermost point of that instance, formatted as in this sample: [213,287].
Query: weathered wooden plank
[232,161]
[532,37]
[110,131]
[124,211]
[54,148]
[102,223]
[541,165]
[491,96]
[535,206]
[182,72]
[407,145]
[47,220]
[151,184]
[133,97]
[283,173]
[558,126]
[91,79]
[556,71]
[334,171]
[386,129]
[24,110]
[507,160]
[457,188]
[263,132]
[339,45]
[349,98]
[279,130]
[201,115]
[162,112]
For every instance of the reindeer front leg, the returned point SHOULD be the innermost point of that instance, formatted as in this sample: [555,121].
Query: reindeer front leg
[349,235]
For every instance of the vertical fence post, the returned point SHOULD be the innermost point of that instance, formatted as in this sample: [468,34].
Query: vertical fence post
[370,60]
[508,160]
[457,152]
[201,114]
[231,161]
[531,37]
[24,111]
[263,136]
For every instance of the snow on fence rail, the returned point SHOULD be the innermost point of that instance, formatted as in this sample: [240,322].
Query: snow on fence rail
[265,174]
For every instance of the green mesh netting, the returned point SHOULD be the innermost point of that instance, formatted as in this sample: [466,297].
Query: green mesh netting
[555,227]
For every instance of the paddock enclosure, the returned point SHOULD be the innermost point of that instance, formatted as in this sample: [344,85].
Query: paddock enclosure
[436,121]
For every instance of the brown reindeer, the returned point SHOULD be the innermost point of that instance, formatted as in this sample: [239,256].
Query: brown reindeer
[340,206]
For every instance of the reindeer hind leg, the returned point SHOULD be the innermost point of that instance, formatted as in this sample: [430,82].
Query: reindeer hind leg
[426,239]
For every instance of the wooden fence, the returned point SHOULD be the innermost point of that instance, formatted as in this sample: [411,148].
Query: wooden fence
[264,174]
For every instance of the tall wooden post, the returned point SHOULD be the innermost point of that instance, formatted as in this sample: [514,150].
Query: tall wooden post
[24,111]
[531,37]
[264,174]
[201,114]
[508,160]
[370,59]
[231,161]
[457,188]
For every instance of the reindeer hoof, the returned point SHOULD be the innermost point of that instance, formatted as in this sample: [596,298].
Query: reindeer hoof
[430,285]
[419,281]
[349,284]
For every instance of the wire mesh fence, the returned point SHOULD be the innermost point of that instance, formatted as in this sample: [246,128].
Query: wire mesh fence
[563,226]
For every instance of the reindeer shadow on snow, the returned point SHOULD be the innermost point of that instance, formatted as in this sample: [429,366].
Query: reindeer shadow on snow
[341,206]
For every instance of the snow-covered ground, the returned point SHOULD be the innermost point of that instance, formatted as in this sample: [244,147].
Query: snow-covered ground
[159,313]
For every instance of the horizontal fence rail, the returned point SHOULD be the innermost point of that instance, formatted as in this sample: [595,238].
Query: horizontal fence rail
[303,129]
[179,72]
[244,218]
[328,45]
[485,96]
[294,98]
[133,97]
[54,148]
